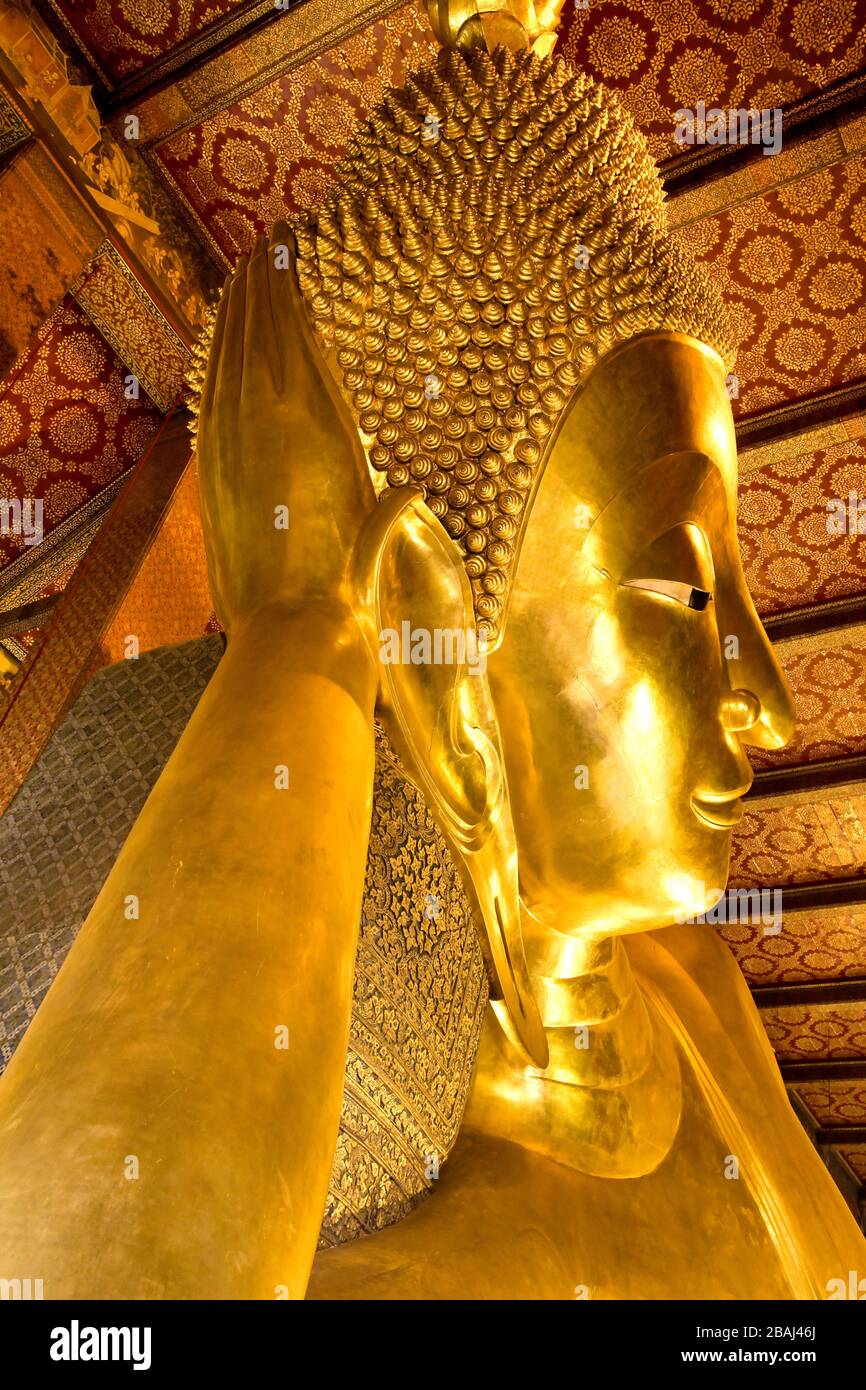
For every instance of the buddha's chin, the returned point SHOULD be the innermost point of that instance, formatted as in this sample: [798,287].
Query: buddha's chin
[642,893]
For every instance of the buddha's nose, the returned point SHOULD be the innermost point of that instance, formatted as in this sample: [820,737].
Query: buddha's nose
[740,711]
[764,720]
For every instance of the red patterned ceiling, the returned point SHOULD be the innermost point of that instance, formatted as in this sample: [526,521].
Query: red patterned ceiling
[789,556]
[802,1034]
[823,944]
[828,679]
[273,152]
[835,1102]
[121,36]
[787,842]
[66,427]
[791,266]
[662,55]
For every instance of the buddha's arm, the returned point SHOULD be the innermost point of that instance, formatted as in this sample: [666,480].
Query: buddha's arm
[156,1137]
[168,1123]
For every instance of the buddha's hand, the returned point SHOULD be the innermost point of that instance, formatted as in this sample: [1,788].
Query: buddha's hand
[283,481]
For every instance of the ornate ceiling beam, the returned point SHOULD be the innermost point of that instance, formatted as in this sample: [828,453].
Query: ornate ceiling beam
[194,52]
[324,23]
[802,414]
[58,667]
[831,617]
[807,993]
[786,781]
[827,1069]
[27,616]
[841,1134]
[838,892]
[809,116]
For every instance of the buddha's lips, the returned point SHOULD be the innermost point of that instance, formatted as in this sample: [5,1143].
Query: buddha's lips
[720,812]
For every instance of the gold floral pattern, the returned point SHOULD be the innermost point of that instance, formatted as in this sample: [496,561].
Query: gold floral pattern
[791,265]
[790,557]
[66,425]
[121,36]
[128,319]
[272,152]
[828,682]
[663,56]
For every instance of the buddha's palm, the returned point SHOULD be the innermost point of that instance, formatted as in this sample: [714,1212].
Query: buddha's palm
[284,487]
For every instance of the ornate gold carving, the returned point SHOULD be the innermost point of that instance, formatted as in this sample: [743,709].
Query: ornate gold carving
[129,320]
[486,23]
[123,184]
[43,68]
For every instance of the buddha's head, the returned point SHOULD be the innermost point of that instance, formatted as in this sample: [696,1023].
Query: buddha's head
[538,375]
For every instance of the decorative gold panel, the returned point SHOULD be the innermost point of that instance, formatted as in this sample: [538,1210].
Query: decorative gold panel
[128,319]
[420,992]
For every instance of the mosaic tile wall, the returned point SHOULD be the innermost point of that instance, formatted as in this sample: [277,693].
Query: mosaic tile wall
[65,828]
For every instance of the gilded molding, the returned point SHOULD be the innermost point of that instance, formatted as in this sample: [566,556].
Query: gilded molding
[14,130]
[266,54]
[128,319]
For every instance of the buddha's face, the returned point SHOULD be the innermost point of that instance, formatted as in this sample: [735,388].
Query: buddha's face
[634,669]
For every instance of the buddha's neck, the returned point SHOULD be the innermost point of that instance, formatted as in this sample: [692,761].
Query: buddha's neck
[618,1111]
[598,1028]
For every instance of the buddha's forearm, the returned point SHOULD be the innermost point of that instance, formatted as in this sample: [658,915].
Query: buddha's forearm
[168,1123]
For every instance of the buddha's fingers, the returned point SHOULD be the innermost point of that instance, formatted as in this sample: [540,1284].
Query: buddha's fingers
[285,300]
[229,381]
[206,406]
[261,368]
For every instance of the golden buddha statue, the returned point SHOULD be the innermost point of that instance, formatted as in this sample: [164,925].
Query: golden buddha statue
[478,392]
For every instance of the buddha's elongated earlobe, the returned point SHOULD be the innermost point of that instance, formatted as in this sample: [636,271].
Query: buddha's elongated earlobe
[413,599]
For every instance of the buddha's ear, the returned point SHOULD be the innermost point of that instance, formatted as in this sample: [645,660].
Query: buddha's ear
[414,600]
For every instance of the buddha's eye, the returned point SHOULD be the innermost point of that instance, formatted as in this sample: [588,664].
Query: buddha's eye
[687,594]
[677,565]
